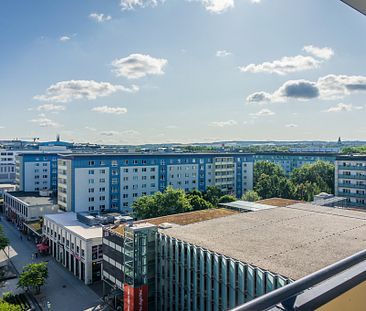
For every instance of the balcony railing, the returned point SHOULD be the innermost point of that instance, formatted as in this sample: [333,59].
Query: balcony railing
[317,289]
[353,195]
[352,168]
[360,177]
[353,186]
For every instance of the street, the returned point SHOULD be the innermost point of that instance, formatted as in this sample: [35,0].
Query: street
[62,291]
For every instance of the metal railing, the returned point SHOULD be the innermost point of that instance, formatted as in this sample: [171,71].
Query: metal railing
[286,295]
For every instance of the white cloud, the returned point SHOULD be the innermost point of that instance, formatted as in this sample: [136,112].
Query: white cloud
[217,6]
[223,123]
[100,17]
[223,53]
[43,121]
[338,86]
[299,89]
[137,66]
[259,97]
[50,107]
[213,6]
[323,53]
[325,88]
[284,65]
[263,113]
[289,64]
[64,38]
[132,4]
[66,91]
[2,127]
[340,108]
[110,110]
[291,125]
[171,127]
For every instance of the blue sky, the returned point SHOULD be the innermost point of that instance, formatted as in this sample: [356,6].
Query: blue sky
[149,71]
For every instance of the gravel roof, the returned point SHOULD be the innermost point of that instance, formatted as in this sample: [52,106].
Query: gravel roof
[293,241]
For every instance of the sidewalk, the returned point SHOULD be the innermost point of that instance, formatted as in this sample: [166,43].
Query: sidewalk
[63,291]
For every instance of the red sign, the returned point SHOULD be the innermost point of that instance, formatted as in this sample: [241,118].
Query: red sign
[135,298]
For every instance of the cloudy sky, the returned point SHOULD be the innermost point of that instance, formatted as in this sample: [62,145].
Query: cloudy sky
[148,71]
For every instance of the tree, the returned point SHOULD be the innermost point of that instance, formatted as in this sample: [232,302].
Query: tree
[145,207]
[198,203]
[251,196]
[6,306]
[227,198]
[171,201]
[267,168]
[4,241]
[33,276]
[212,195]
[358,149]
[320,174]
[306,191]
[195,192]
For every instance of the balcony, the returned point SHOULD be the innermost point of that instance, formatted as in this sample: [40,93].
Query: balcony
[352,168]
[352,195]
[360,177]
[353,186]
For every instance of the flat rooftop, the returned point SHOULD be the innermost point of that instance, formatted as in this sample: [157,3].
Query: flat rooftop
[69,222]
[33,198]
[293,241]
[152,154]
[7,185]
[278,202]
[183,218]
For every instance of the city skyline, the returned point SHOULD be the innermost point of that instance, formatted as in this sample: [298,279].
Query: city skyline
[127,72]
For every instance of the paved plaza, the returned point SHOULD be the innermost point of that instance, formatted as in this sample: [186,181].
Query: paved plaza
[63,291]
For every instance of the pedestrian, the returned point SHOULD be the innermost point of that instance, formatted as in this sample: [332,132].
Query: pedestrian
[32,256]
[21,237]
[36,255]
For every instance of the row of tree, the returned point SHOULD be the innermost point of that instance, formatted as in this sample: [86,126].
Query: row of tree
[173,201]
[303,183]
[358,149]
[270,181]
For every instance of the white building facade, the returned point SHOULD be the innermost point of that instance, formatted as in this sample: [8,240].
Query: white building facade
[101,182]
[350,179]
[77,246]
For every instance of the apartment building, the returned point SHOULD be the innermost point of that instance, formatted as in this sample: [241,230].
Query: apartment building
[100,182]
[36,171]
[291,160]
[75,245]
[350,179]
[7,166]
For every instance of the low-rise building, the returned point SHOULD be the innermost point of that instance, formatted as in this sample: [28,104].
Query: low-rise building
[199,261]
[75,245]
[6,188]
[22,207]
[350,179]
